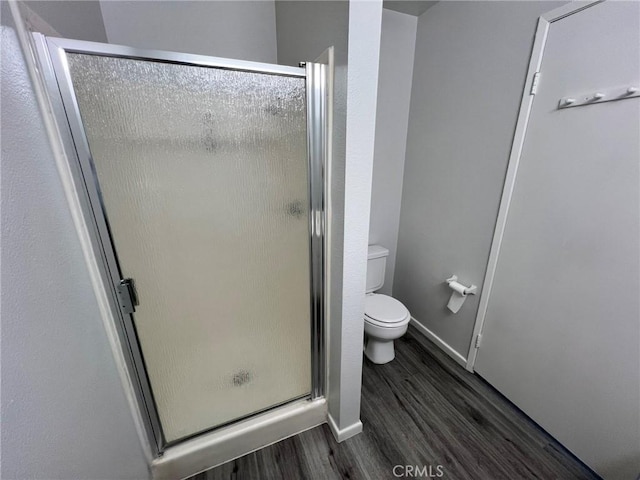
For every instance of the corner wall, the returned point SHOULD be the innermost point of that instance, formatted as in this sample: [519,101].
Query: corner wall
[365,22]
[470,64]
[397,47]
[64,412]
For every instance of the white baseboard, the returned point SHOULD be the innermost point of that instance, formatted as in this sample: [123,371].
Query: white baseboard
[441,343]
[347,432]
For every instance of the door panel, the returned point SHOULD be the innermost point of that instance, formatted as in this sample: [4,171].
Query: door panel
[562,329]
[204,181]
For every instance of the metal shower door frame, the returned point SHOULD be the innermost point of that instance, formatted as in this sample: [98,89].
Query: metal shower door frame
[52,56]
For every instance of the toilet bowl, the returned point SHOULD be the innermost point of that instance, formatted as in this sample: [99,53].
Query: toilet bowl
[385,318]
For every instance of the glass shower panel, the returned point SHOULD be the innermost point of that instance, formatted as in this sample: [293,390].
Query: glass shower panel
[204,181]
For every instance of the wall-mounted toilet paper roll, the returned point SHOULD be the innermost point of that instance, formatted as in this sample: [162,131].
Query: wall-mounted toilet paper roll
[459,294]
[458,287]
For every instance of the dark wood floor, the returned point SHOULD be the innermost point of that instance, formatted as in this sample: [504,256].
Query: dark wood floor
[421,409]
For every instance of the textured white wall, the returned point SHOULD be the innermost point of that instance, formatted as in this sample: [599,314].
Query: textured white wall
[365,22]
[470,64]
[244,30]
[64,413]
[397,47]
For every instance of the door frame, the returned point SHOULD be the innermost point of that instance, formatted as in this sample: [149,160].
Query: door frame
[301,413]
[534,76]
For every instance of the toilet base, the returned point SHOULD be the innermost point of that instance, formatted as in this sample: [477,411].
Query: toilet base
[379,351]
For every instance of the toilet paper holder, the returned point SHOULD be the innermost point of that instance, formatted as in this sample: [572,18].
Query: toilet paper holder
[467,290]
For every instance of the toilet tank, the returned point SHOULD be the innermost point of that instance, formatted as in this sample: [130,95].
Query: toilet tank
[376,263]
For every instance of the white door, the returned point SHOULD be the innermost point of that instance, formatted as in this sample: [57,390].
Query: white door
[561,337]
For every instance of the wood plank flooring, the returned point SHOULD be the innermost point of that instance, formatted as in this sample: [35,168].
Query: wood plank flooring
[421,409]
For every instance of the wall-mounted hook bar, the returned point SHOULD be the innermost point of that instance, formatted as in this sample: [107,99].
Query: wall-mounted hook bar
[601,96]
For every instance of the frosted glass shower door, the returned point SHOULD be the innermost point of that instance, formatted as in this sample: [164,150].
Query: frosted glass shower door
[204,181]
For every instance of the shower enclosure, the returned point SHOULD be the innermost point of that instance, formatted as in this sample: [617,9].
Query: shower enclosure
[201,180]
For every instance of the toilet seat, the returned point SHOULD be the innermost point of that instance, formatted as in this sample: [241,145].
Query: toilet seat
[385,311]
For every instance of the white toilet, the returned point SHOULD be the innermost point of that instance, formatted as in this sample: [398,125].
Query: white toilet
[385,318]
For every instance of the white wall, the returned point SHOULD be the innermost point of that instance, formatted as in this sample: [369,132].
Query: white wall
[397,46]
[365,22]
[64,413]
[470,64]
[232,29]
